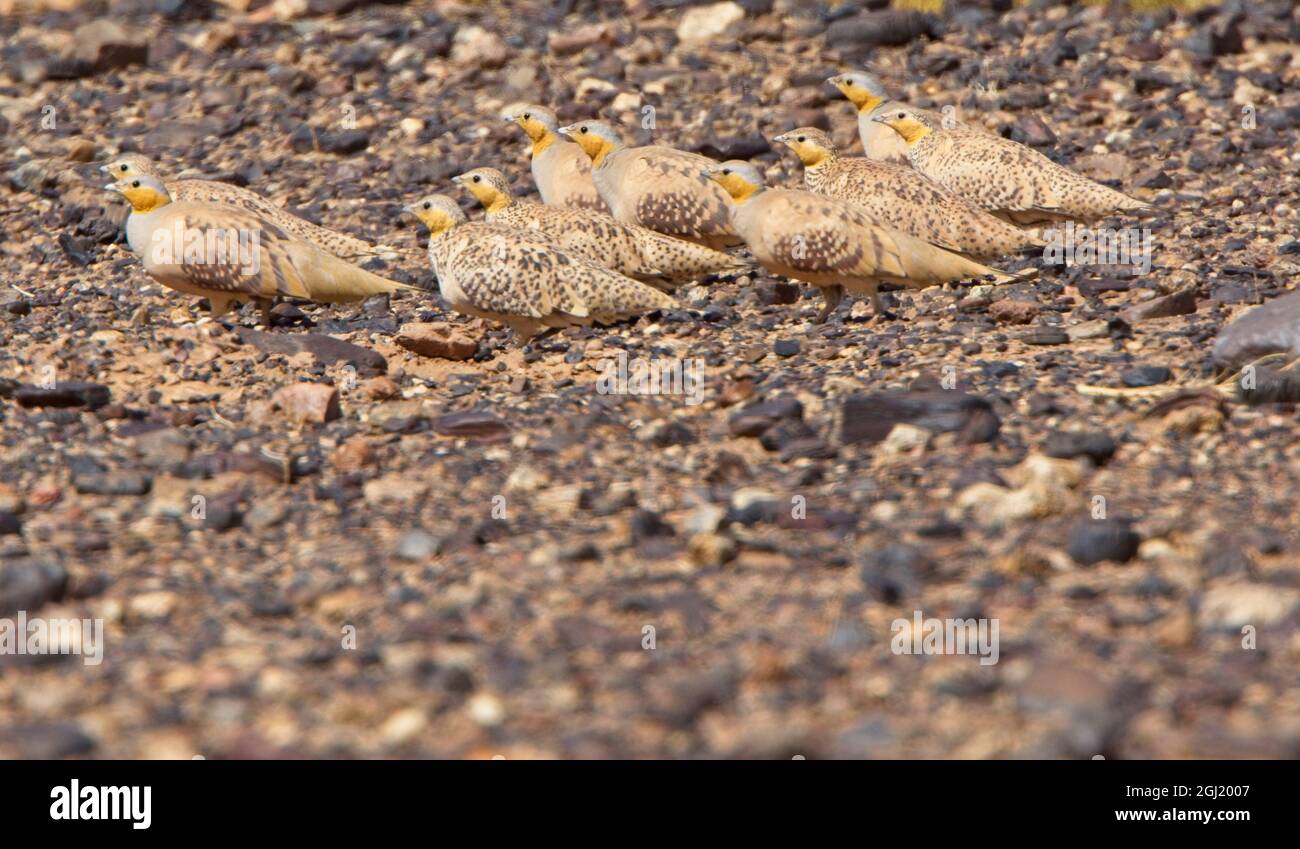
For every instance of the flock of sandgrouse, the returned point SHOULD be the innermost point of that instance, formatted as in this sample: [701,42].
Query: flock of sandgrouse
[619,227]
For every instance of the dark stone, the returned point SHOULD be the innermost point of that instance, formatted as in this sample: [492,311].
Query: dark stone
[472,424]
[756,418]
[10,525]
[30,584]
[884,28]
[770,294]
[1065,445]
[1033,131]
[308,139]
[786,347]
[784,433]
[71,394]
[111,483]
[1273,327]
[326,349]
[870,418]
[1044,335]
[1093,541]
[895,572]
[734,147]
[1179,303]
[1146,376]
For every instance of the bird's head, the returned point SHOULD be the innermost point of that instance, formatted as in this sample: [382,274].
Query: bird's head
[811,145]
[538,122]
[596,138]
[145,194]
[438,212]
[906,123]
[130,165]
[488,185]
[739,178]
[863,89]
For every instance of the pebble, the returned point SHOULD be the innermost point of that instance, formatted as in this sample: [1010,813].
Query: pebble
[1096,540]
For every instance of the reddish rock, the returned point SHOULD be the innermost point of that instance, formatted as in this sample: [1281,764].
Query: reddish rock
[1013,312]
[308,403]
[435,339]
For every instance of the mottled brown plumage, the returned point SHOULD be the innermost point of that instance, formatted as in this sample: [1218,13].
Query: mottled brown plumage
[832,244]
[227,254]
[871,99]
[1010,180]
[561,170]
[900,197]
[659,188]
[501,273]
[628,249]
[210,191]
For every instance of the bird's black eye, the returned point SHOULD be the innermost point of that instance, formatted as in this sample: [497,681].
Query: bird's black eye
[726,171]
[582,129]
[125,167]
[527,116]
[135,184]
[478,179]
[803,138]
[428,205]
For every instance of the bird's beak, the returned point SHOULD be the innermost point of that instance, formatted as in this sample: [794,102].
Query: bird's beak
[113,187]
[458,179]
[567,131]
[783,138]
[835,81]
[881,119]
[103,169]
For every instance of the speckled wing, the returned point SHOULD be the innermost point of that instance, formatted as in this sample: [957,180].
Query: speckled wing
[244,254]
[500,272]
[665,190]
[821,239]
[903,198]
[585,233]
[562,173]
[1014,181]
[210,191]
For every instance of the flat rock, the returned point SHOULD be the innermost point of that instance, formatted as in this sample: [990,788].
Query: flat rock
[308,403]
[1273,327]
[1177,303]
[326,349]
[871,418]
[436,339]
[92,396]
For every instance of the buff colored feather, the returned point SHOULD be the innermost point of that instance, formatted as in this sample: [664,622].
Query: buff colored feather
[656,187]
[497,272]
[645,255]
[228,254]
[1012,181]
[904,199]
[833,244]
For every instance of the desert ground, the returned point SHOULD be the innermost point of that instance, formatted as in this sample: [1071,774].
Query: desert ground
[380,530]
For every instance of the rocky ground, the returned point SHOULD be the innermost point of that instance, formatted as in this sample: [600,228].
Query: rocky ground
[374,531]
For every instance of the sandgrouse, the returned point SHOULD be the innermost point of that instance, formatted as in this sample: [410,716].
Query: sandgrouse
[833,244]
[500,273]
[227,254]
[900,197]
[210,191]
[866,93]
[628,249]
[657,187]
[561,170]
[1010,180]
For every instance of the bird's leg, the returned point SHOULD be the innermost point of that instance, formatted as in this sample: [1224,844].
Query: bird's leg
[264,304]
[832,295]
[879,307]
[219,306]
